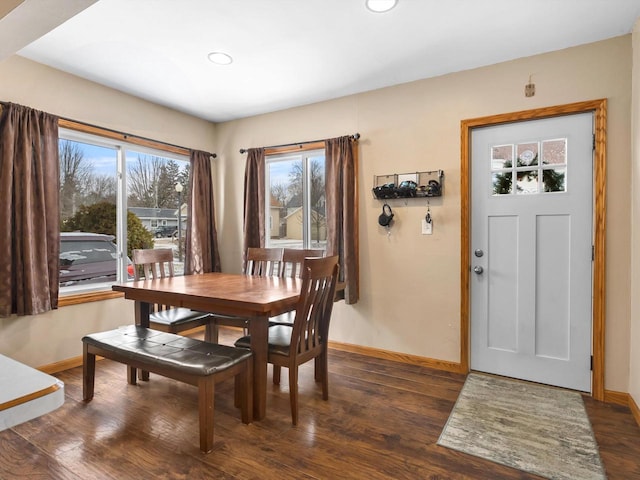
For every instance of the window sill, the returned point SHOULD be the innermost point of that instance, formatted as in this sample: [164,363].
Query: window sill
[78,298]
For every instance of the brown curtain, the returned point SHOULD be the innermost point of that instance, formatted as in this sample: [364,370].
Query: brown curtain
[30,214]
[342,211]
[202,253]
[254,198]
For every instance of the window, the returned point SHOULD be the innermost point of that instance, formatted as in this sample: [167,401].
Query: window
[528,170]
[114,197]
[295,200]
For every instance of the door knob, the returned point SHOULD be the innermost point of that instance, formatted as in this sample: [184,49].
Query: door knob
[478,269]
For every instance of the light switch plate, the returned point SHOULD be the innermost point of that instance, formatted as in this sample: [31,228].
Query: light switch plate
[427,228]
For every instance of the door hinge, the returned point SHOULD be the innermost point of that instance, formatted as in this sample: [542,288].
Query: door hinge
[593,253]
[591,363]
[594,142]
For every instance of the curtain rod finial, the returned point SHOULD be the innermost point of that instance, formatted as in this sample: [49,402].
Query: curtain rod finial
[356,136]
[243,150]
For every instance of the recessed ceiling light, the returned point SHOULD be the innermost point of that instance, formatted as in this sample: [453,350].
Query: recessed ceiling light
[220,58]
[380,6]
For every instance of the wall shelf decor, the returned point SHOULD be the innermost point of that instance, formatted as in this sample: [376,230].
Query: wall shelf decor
[408,185]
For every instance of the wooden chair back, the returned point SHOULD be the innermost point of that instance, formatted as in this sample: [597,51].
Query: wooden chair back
[293,258]
[313,313]
[263,262]
[153,263]
[158,263]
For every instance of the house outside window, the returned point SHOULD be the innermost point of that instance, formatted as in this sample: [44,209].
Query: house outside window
[296,200]
[114,197]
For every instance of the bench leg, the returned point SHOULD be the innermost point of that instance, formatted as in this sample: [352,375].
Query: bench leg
[131,375]
[88,373]
[206,390]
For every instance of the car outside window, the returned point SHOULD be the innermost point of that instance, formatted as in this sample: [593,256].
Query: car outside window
[88,259]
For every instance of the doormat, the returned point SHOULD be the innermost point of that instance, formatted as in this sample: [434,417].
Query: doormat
[536,429]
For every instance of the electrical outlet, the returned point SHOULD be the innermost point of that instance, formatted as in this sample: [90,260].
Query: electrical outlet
[427,228]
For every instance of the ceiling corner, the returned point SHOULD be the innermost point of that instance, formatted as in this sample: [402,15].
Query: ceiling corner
[42,16]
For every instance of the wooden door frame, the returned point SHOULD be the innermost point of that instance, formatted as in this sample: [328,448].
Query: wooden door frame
[599,108]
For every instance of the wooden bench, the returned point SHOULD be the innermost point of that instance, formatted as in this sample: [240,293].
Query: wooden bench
[185,359]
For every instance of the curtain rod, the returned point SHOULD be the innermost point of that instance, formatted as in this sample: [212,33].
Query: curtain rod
[117,132]
[126,136]
[355,136]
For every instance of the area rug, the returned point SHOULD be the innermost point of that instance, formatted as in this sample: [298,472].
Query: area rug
[536,429]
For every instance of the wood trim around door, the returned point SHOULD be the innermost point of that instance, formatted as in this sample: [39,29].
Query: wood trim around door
[599,108]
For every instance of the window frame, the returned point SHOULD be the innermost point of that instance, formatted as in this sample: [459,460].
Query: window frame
[306,152]
[122,142]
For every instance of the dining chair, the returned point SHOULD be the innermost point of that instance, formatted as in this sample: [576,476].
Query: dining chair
[307,339]
[261,262]
[292,259]
[158,263]
[291,267]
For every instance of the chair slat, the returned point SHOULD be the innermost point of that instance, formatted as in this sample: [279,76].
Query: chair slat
[263,262]
[292,259]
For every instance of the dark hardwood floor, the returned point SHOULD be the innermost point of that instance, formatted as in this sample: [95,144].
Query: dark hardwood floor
[382,421]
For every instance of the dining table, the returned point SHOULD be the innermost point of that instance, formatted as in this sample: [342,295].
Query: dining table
[252,297]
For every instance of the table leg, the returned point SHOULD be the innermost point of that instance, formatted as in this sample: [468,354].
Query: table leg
[142,310]
[259,331]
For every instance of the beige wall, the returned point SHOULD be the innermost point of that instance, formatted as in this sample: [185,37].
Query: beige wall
[634,363]
[51,337]
[55,336]
[410,290]
[34,85]
[410,287]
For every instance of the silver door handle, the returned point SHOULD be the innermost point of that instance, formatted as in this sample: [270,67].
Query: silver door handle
[478,269]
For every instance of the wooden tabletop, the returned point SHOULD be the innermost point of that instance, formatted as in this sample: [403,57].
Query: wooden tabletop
[218,292]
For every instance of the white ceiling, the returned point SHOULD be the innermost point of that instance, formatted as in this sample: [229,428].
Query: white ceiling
[23,21]
[294,52]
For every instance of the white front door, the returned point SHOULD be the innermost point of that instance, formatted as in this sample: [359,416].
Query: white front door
[531,250]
